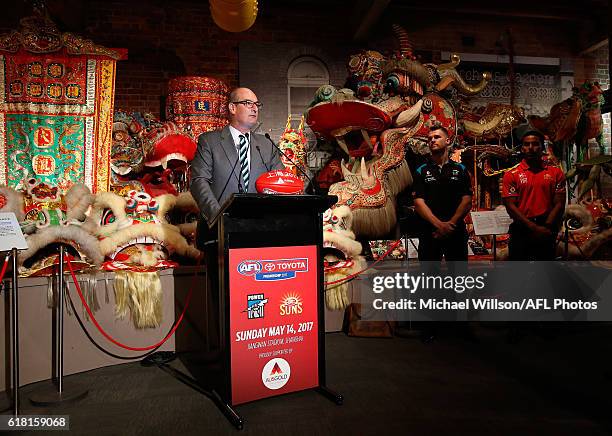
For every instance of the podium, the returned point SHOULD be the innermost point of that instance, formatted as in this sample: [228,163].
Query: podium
[265,281]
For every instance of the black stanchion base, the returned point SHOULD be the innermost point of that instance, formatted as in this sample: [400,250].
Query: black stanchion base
[158,358]
[331,395]
[48,395]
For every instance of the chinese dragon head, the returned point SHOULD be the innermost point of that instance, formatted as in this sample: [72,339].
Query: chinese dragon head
[589,228]
[149,155]
[49,216]
[137,238]
[341,256]
[392,103]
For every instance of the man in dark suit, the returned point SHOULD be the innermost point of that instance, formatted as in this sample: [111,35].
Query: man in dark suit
[230,160]
[227,161]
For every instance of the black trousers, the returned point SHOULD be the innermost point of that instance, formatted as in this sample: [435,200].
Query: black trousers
[523,244]
[453,247]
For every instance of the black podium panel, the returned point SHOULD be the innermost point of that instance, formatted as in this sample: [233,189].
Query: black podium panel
[278,231]
[250,223]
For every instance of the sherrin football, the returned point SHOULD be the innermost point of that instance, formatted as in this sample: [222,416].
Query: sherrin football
[279,182]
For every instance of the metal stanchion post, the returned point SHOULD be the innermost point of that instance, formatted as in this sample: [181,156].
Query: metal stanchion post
[12,402]
[15,334]
[60,323]
[49,394]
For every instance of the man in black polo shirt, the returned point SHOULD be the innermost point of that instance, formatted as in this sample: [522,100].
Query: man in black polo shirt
[442,198]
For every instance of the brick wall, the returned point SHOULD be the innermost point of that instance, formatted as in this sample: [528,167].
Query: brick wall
[488,34]
[263,68]
[169,38]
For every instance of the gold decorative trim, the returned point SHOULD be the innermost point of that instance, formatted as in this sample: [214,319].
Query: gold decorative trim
[105,124]
[39,34]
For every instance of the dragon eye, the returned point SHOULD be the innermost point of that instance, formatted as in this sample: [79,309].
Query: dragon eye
[131,204]
[143,197]
[120,136]
[108,217]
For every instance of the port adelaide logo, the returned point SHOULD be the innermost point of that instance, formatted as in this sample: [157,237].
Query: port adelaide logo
[291,304]
[276,373]
[272,270]
[255,306]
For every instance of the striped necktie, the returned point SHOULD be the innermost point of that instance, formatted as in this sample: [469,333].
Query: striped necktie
[243,149]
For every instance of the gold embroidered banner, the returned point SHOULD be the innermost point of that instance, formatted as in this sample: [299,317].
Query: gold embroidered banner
[56,105]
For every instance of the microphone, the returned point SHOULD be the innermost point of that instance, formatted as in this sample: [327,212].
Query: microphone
[261,157]
[315,188]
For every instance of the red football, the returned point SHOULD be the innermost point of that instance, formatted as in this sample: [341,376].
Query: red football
[279,182]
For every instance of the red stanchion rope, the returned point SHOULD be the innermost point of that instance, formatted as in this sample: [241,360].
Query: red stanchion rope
[109,337]
[4,267]
[352,276]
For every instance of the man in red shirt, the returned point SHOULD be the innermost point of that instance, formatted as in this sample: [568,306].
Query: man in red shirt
[534,196]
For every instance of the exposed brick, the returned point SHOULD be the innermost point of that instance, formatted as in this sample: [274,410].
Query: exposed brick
[170,38]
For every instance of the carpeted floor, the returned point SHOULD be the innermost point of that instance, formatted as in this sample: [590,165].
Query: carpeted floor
[551,383]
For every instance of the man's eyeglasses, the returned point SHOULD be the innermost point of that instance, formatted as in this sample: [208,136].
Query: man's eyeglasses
[249,104]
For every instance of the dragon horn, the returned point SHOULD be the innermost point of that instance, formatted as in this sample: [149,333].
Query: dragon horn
[363,169]
[288,126]
[345,170]
[452,77]
[404,42]
[455,59]
[301,124]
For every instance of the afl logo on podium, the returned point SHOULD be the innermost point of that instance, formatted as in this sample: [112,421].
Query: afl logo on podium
[249,267]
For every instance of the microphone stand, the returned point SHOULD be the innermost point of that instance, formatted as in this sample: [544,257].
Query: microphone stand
[233,173]
[261,157]
[315,188]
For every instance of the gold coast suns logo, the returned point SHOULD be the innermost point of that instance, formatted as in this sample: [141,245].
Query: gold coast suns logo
[291,304]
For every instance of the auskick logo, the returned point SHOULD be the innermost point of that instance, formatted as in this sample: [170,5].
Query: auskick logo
[272,270]
[276,373]
[291,304]
[255,306]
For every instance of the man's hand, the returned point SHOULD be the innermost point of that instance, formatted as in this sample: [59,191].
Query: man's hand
[444,229]
[541,232]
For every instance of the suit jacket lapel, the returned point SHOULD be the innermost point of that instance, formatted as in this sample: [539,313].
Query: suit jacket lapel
[227,142]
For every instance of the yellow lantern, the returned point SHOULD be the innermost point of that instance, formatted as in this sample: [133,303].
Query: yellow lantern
[234,15]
